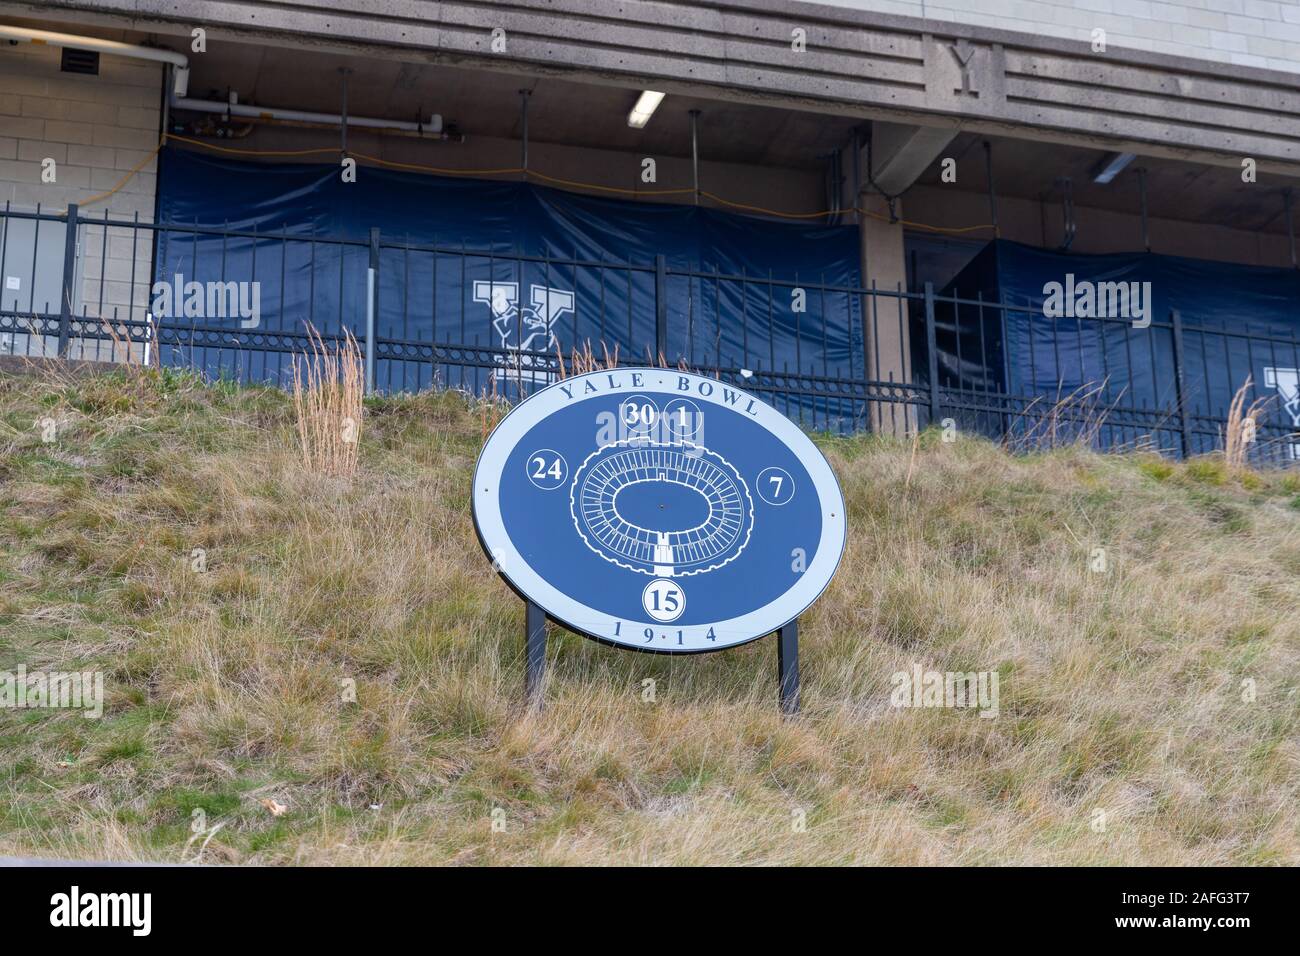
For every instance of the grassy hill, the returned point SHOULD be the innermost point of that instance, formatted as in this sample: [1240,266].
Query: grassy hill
[1121,691]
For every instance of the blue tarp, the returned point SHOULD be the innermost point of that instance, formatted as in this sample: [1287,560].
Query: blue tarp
[1046,356]
[426,296]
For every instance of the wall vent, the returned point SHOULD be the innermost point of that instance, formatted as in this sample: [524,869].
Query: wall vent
[80,61]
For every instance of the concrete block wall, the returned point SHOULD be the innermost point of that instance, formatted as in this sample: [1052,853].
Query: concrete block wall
[1262,33]
[96,129]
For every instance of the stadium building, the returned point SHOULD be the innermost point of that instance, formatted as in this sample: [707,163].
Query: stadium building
[1039,220]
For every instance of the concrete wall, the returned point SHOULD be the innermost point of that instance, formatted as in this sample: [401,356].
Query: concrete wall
[1263,33]
[96,129]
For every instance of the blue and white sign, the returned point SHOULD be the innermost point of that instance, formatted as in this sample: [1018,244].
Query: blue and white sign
[658,510]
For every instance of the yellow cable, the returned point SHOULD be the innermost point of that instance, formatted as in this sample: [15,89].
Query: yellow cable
[831,212]
[922,225]
[765,211]
[250,152]
[438,169]
[532,174]
[608,189]
[125,179]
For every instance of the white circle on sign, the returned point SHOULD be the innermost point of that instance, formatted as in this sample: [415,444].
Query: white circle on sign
[683,420]
[637,415]
[775,486]
[664,600]
[547,469]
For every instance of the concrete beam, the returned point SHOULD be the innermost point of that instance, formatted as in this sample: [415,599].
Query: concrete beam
[901,153]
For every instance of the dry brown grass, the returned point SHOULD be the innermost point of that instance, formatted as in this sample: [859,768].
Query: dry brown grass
[328,392]
[1073,419]
[1239,431]
[584,360]
[1120,691]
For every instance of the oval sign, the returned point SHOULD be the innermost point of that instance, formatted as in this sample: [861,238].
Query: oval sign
[658,510]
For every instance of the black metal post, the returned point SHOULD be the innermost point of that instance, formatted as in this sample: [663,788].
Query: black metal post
[372,309]
[1006,363]
[1290,225]
[993,194]
[695,154]
[535,651]
[343,114]
[932,346]
[661,308]
[69,279]
[1142,189]
[787,666]
[1180,386]
[523,129]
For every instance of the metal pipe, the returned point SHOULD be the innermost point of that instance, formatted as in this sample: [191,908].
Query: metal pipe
[833,188]
[1290,225]
[1142,189]
[300,116]
[370,331]
[1067,213]
[523,113]
[167,106]
[372,274]
[695,153]
[343,116]
[181,79]
[993,196]
[857,175]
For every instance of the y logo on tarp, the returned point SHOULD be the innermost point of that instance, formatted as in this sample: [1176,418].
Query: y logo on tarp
[528,328]
[1287,383]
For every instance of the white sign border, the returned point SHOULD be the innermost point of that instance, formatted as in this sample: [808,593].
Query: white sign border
[598,625]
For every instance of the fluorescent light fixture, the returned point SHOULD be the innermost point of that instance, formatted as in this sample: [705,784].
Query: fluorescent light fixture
[1110,166]
[644,109]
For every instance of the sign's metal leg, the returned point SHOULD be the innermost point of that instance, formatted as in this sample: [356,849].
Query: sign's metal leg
[787,666]
[535,651]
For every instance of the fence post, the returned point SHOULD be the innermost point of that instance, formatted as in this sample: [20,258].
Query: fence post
[1180,386]
[69,278]
[932,347]
[1006,362]
[372,291]
[661,308]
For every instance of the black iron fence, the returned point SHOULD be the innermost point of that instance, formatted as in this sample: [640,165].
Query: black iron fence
[832,357]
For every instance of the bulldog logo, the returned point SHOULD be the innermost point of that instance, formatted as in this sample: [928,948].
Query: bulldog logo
[1287,383]
[530,328]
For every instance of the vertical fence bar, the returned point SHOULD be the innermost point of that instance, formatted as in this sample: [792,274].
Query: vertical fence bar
[1180,386]
[661,308]
[69,278]
[932,346]
[372,291]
